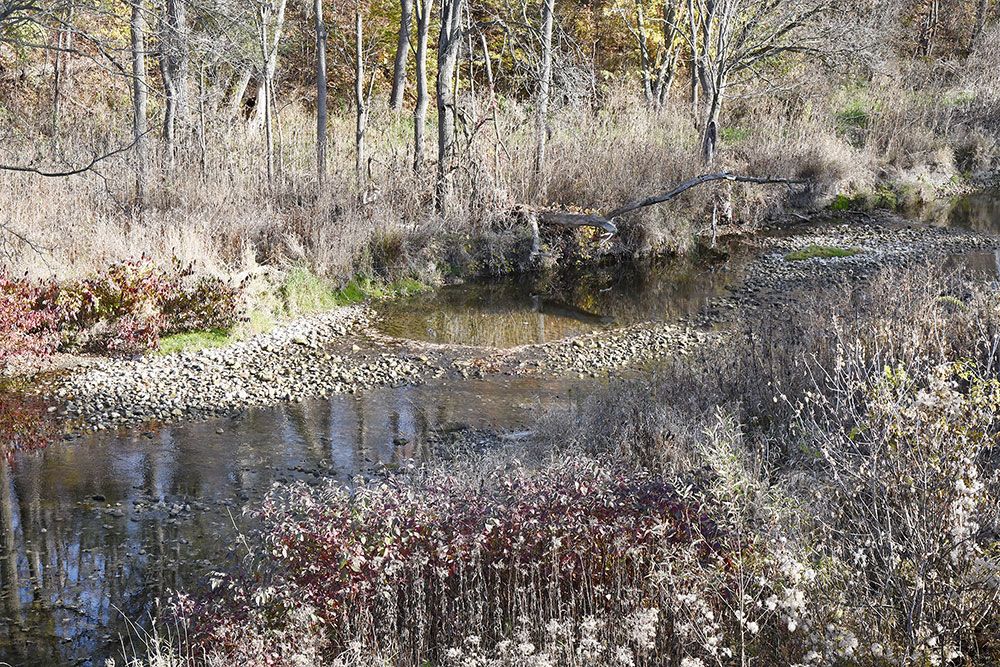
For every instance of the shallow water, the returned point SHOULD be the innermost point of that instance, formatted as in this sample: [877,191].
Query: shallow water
[91,531]
[979,212]
[526,310]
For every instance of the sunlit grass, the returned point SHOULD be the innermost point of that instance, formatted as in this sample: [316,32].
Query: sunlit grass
[196,340]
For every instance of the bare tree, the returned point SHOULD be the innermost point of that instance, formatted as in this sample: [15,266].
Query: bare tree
[929,27]
[64,46]
[321,114]
[271,24]
[15,13]
[449,41]
[174,67]
[738,38]
[138,40]
[423,8]
[977,30]
[544,83]
[402,52]
[360,98]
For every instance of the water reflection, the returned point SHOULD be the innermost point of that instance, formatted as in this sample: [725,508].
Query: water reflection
[979,212]
[93,530]
[520,311]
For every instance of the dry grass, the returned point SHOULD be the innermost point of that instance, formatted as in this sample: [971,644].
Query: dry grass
[218,209]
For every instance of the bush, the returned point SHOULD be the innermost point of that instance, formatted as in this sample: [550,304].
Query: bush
[126,308]
[905,514]
[414,565]
[27,324]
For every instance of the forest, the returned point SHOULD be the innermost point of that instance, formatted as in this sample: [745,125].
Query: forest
[499,333]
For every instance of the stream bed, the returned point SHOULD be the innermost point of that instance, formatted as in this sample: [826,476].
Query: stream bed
[95,528]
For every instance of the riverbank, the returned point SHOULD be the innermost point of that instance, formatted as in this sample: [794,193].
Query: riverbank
[343,351]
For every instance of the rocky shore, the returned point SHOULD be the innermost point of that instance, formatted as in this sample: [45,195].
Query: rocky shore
[339,352]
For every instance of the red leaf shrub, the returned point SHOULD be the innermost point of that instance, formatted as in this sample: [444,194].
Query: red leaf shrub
[26,323]
[125,309]
[427,559]
[125,289]
[203,304]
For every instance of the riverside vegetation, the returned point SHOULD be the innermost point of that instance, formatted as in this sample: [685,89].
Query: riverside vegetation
[837,505]
[802,470]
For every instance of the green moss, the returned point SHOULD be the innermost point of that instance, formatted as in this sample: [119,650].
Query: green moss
[842,203]
[196,340]
[823,251]
[883,197]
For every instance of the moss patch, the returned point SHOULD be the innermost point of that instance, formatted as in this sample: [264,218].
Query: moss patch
[197,340]
[821,251]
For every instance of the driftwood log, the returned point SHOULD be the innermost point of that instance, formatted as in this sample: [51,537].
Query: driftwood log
[607,223]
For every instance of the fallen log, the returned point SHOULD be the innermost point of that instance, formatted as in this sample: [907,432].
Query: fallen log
[606,221]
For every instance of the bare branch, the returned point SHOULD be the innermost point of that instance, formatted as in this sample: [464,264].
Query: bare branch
[76,170]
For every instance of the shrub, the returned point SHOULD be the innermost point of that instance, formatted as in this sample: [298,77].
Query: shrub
[125,289]
[26,321]
[907,510]
[206,304]
[126,308]
[413,565]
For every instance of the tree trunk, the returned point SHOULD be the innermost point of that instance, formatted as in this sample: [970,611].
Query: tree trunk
[138,100]
[64,43]
[977,30]
[320,92]
[424,9]
[668,60]
[263,108]
[174,68]
[640,28]
[359,99]
[930,27]
[694,58]
[448,43]
[269,50]
[402,53]
[710,137]
[238,92]
[544,83]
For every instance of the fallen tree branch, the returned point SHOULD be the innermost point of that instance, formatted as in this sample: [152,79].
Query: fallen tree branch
[606,222]
[696,181]
[76,170]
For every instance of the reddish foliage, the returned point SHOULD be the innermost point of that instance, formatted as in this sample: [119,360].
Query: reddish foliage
[24,424]
[402,549]
[27,325]
[122,310]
